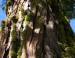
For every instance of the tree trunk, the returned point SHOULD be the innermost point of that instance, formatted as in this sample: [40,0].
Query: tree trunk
[36,30]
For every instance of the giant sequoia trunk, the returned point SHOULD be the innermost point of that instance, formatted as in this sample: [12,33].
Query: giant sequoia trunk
[35,29]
